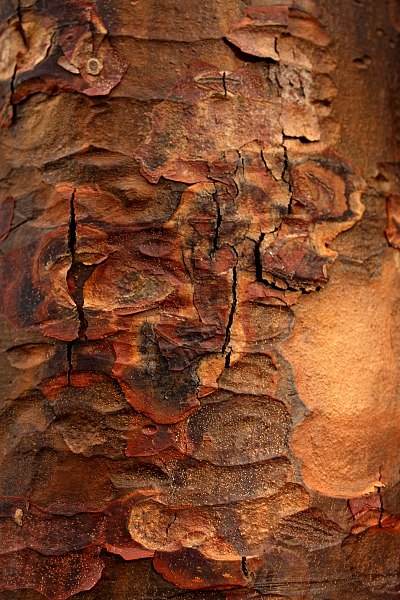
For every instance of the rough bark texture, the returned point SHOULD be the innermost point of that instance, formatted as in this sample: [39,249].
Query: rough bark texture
[199,367]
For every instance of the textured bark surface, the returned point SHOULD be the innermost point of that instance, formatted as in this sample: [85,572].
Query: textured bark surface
[200,234]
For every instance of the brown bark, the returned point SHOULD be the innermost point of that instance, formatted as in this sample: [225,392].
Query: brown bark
[199,233]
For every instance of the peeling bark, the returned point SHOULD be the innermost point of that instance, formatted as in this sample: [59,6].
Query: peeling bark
[199,228]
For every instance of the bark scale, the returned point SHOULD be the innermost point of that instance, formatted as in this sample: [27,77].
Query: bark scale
[199,266]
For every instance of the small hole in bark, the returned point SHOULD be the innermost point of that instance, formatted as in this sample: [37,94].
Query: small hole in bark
[149,429]
[94,66]
[363,62]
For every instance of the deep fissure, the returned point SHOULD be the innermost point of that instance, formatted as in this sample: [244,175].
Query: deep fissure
[75,280]
[244,566]
[231,313]
[224,84]
[286,178]
[257,258]
[217,225]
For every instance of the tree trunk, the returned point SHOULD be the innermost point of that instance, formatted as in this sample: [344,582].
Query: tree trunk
[199,376]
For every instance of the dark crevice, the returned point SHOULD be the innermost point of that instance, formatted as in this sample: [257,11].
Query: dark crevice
[302,138]
[381,509]
[228,359]
[231,316]
[257,258]
[241,159]
[259,267]
[218,224]
[276,46]
[72,227]
[244,566]
[50,47]
[268,170]
[264,161]
[286,178]
[12,90]
[21,31]
[320,102]
[20,28]
[19,225]
[77,273]
[224,84]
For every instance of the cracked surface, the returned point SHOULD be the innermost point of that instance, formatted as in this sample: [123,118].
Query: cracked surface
[199,377]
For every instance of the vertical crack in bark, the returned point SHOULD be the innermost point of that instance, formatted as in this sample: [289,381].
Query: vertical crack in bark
[257,258]
[12,90]
[265,163]
[218,224]
[231,317]
[75,281]
[244,566]
[21,29]
[14,75]
[276,47]
[215,245]
[228,359]
[224,84]
[72,228]
[381,509]
[242,163]
[50,47]
[286,178]
[268,170]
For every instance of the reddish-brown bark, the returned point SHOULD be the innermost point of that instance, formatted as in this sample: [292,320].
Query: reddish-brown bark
[199,381]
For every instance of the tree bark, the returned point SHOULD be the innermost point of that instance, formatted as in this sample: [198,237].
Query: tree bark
[200,234]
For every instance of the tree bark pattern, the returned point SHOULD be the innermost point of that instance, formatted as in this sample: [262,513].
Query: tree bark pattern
[199,381]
